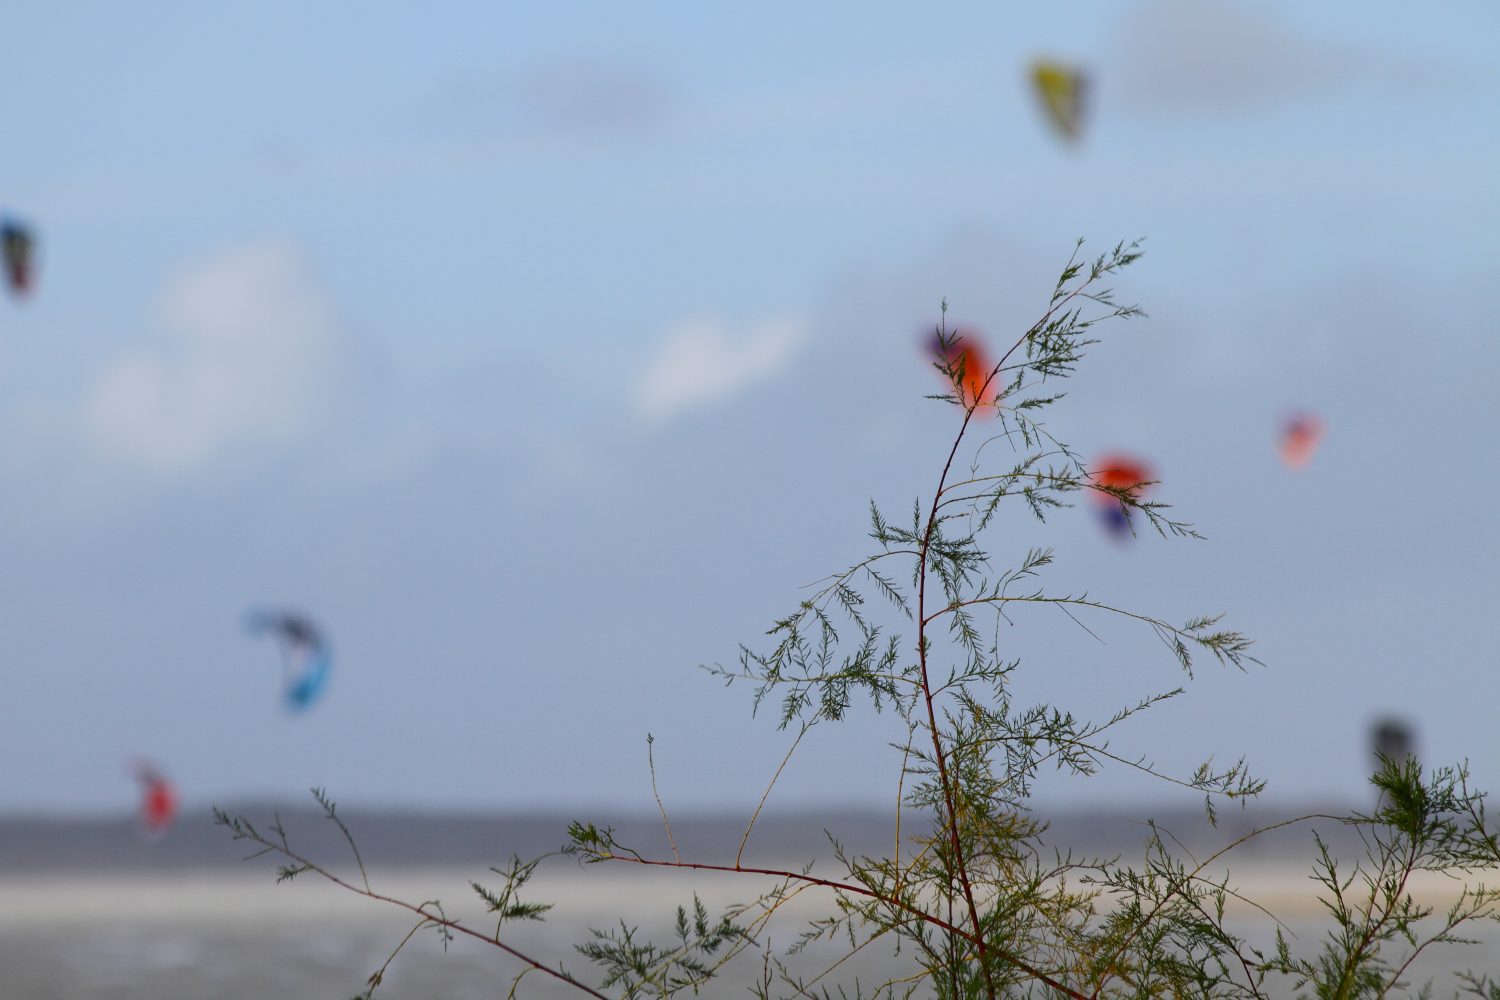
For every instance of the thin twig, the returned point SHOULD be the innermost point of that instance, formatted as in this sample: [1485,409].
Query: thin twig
[767,794]
[651,763]
[857,890]
[440,921]
[1145,921]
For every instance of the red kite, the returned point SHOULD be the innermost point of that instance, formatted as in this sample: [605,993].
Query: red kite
[962,358]
[1121,473]
[158,801]
[1300,437]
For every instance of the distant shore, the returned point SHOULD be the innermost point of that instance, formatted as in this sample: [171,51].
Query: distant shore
[88,909]
[33,844]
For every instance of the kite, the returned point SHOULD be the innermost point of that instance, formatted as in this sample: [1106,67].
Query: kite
[305,655]
[1120,473]
[1062,90]
[1392,738]
[1300,437]
[158,801]
[963,361]
[18,245]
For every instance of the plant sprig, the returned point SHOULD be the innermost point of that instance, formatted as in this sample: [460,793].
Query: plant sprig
[979,903]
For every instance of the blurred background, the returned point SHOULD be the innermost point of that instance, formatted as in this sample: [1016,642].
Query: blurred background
[538,355]
[541,355]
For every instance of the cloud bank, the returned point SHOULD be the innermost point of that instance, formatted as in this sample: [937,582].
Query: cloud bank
[1192,57]
[593,98]
[702,364]
[253,358]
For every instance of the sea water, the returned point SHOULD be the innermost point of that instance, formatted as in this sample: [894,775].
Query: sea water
[175,936]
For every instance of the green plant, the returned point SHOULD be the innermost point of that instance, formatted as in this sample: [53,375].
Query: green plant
[979,902]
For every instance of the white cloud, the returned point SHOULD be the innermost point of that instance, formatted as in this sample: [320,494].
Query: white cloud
[701,363]
[253,357]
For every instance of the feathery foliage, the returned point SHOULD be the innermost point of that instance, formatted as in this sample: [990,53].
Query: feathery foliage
[977,903]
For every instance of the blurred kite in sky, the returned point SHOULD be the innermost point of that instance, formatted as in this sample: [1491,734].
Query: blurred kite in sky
[305,656]
[1063,92]
[158,800]
[963,360]
[1121,473]
[18,244]
[1392,738]
[1300,437]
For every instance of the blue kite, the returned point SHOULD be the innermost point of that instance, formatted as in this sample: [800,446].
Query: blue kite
[305,654]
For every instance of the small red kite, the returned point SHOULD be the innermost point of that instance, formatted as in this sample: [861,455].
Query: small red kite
[158,801]
[1118,472]
[1300,437]
[964,361]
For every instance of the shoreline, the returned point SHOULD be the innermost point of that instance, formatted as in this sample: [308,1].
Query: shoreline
[253,897]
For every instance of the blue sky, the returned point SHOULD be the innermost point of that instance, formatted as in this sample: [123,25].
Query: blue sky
[406,318]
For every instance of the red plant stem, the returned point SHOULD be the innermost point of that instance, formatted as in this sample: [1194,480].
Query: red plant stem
[440,921]
[937,744]
[857,890]
[1111,968]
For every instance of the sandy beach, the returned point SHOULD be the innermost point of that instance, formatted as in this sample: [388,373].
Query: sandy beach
[237,934]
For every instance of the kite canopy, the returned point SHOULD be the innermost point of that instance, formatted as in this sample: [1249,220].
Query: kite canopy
[1063,91]
[18,246]
[305,655]
[1300,437]
[963,360]
[158,801]
[1118,472]
[1392,738]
